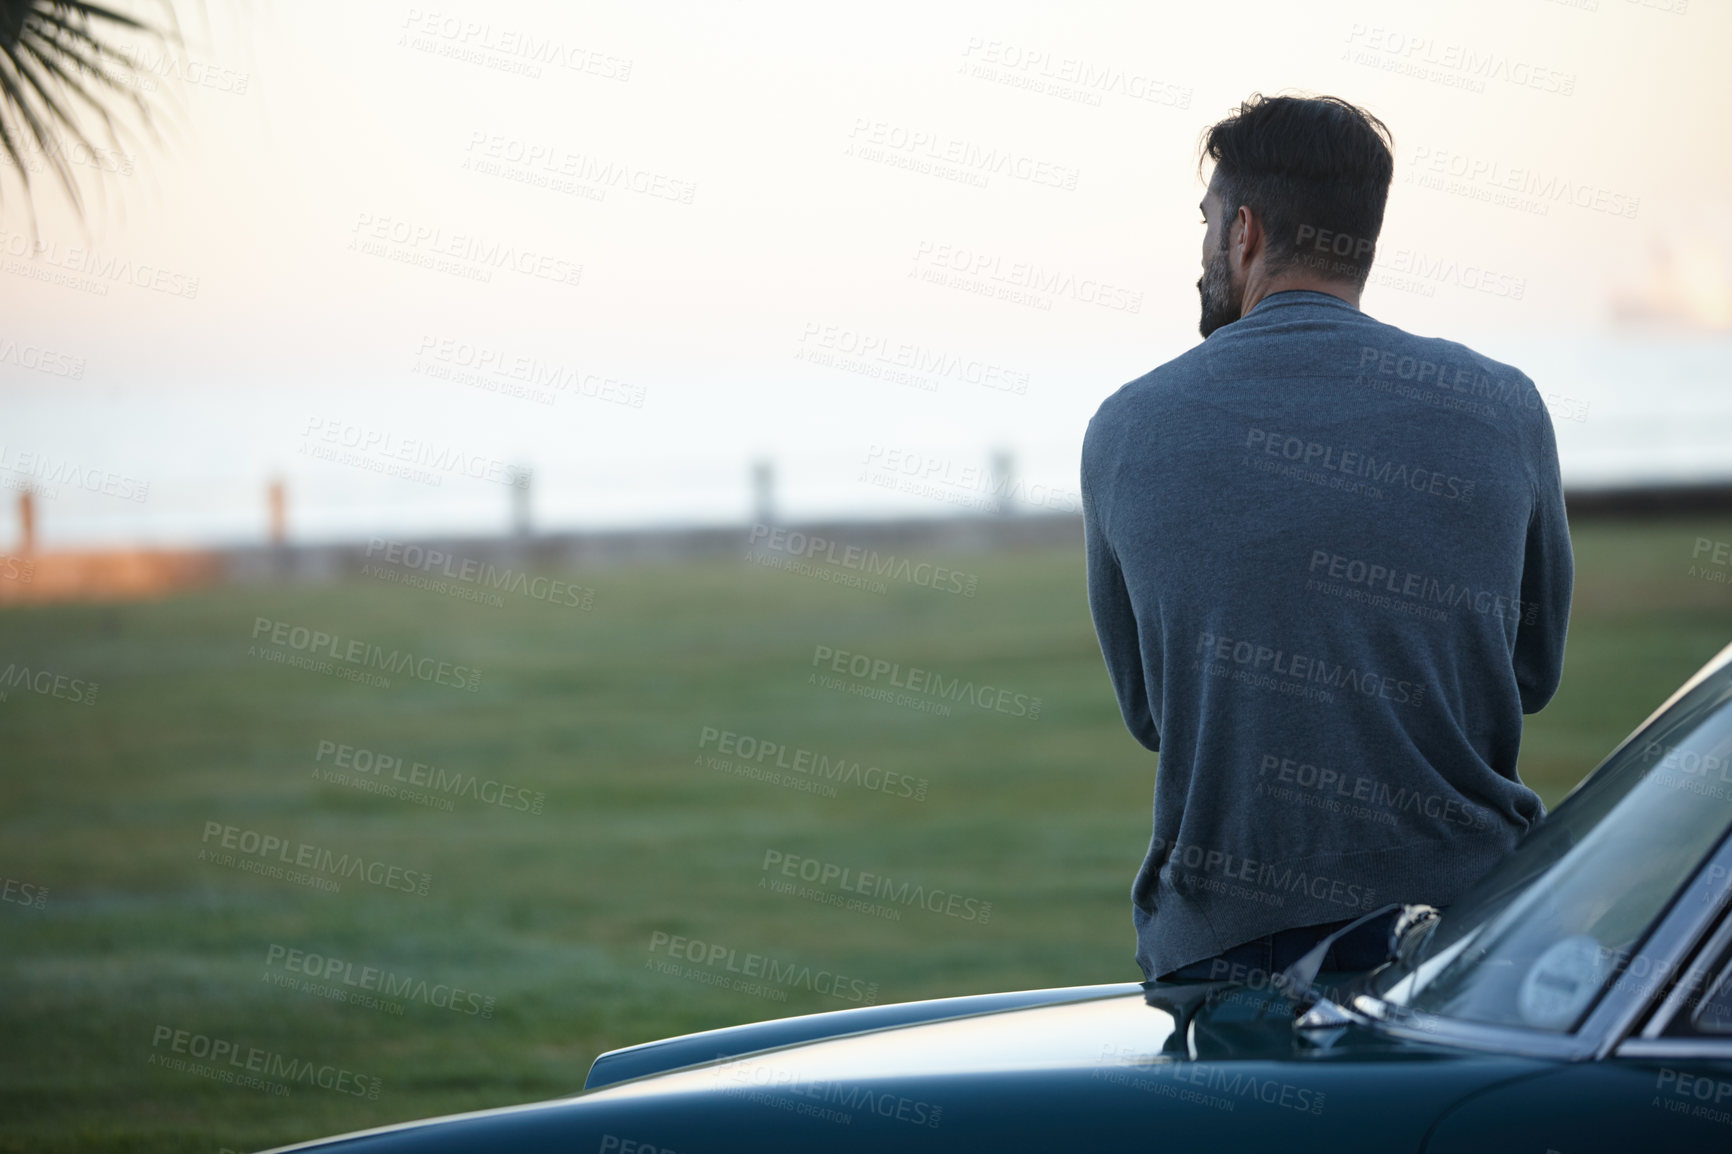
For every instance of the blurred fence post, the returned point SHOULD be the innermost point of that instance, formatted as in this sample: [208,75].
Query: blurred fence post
[276,498]
[27,522]
[520,479]
[1003,482]
[763,493]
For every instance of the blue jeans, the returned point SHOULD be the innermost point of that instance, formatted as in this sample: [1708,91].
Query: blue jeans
[1264,957]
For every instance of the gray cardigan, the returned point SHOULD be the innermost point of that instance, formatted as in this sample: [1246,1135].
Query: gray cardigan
[1329,568]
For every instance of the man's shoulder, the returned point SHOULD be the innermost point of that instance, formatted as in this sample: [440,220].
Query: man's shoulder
[1442,370]
[1153,385]
[1441,373]
[1134,402]
[1389,346]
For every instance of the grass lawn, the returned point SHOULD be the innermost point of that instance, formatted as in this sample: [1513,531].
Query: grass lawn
[553,922]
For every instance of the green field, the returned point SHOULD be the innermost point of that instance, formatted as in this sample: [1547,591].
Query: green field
[553,915]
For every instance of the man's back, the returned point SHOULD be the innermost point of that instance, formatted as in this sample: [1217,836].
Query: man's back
[1330,571]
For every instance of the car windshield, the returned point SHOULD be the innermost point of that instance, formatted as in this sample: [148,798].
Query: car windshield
[1536,941]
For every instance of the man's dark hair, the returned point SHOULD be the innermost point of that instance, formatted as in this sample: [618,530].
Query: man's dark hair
[1314,170]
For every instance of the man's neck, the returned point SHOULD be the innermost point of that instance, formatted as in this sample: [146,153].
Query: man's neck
[1260,288]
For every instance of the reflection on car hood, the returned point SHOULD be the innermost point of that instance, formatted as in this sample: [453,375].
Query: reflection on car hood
[691,1049]
[1108,1026]
[1124,1026]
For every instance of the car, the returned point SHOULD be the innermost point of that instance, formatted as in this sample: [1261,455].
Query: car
[1577,998]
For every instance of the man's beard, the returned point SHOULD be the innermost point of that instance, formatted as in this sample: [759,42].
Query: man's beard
[1221,304]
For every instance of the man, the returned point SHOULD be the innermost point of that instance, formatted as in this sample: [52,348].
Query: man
[1329,568]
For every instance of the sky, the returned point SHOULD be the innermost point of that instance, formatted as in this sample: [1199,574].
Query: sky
[402,257]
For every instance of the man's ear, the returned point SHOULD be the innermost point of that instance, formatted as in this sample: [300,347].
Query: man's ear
[1250,236]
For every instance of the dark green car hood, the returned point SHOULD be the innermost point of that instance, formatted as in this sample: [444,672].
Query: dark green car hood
[1040,1070]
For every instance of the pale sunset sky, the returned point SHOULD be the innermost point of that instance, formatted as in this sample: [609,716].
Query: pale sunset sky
[733,225]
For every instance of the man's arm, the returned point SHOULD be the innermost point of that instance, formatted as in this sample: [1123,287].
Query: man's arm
[1115,621]
[1548,576]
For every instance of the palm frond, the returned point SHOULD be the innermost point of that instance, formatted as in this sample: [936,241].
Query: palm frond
[55,55]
